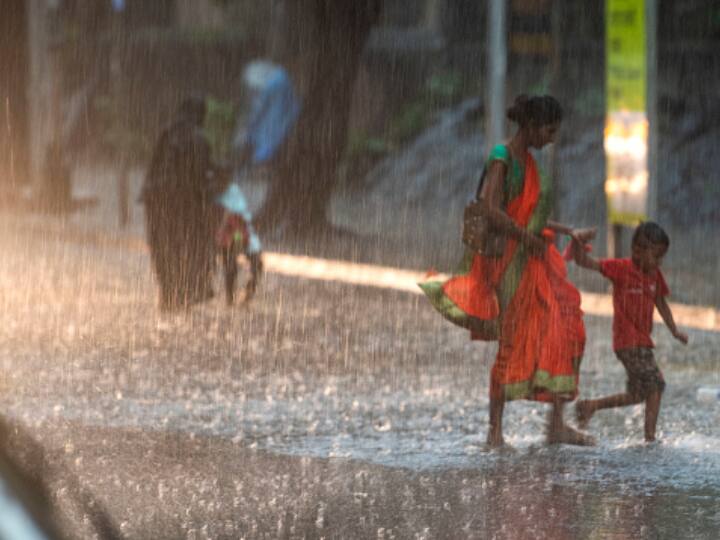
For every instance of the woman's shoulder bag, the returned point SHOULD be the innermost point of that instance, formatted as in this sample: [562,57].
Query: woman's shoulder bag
[477,233]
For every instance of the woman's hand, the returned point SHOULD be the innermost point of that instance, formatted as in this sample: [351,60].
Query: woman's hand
[583,235]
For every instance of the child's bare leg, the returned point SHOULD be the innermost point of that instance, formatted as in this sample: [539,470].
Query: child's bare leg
[584,409]
[230,266]
[256,269]
[652,409]
[495,435]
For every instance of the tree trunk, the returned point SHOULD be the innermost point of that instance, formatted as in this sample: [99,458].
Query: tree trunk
[13,94]
[42,88]
[321,42]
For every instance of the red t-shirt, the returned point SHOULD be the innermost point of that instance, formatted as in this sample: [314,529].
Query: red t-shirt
[634,294]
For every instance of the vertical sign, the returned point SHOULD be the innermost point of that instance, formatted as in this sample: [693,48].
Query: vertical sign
[626,123]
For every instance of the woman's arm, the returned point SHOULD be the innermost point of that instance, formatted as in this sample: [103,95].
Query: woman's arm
[667,317]
[491,198]
[581,235]
[559,227]
[583,258]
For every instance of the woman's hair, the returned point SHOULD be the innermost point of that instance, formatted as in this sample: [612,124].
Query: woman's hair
[538,110]
[649,232]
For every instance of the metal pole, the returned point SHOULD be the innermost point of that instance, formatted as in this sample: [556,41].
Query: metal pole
[40,86]
[433,16]
[651,107]
[615,240]
[496,72]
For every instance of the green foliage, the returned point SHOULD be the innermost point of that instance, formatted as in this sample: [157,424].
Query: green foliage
[250,16]
[360,143]
[440,90]
[540,87]
[711,188]
[444,87]
[153,79]
[409,122]
[219,125]
[712,31]
[118,138]
[163,37]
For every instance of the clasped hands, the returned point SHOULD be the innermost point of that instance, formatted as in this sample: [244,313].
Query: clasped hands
[536,244]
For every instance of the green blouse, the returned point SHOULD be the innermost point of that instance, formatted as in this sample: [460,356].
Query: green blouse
[514,182]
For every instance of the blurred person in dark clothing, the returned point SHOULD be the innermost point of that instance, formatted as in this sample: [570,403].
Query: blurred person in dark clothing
[178,195]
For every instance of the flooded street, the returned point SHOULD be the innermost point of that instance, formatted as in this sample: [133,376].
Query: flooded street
[345,151]
[327,410]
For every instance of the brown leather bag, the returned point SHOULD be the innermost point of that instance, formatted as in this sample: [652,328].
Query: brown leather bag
[478,234]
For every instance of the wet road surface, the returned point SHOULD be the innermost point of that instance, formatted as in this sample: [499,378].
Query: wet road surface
[326,410]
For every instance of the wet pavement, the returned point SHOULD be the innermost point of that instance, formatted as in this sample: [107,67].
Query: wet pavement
[325,410]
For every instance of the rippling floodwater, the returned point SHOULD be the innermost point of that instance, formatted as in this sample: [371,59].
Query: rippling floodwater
[429,426]
[357,376]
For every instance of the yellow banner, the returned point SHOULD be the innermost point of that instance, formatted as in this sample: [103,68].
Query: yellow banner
[626,122]
[625,55]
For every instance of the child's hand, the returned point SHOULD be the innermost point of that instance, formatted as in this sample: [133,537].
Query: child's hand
[575,250]
[682,337]
[583,235]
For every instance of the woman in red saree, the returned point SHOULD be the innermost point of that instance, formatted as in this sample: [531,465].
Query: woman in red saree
[522,298]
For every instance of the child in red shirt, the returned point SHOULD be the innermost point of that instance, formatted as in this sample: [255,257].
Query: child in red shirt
[638,287]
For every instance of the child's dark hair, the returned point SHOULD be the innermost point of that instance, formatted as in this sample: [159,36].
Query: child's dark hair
[651,233]
[538,110]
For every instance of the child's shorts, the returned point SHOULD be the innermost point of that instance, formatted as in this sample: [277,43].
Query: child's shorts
[644,375]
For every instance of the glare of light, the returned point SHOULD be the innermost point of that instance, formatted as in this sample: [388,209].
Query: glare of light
[407,281]
[632,145]
[626,135]
[626,148]
[634,185]
[345,272]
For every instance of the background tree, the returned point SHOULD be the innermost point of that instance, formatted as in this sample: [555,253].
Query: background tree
[320,42]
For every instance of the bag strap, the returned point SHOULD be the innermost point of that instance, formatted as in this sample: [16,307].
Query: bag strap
[481,183]
[484,174]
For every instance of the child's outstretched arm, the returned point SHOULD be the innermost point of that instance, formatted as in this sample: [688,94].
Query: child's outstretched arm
[667,317]
[583,257]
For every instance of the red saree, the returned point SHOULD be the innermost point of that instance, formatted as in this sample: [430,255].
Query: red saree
[526,303]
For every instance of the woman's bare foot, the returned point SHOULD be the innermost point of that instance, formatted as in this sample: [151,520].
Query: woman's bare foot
[583,414]
[568,435]
[495,440]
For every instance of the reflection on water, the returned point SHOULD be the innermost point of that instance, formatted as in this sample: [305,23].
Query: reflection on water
[433,426]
